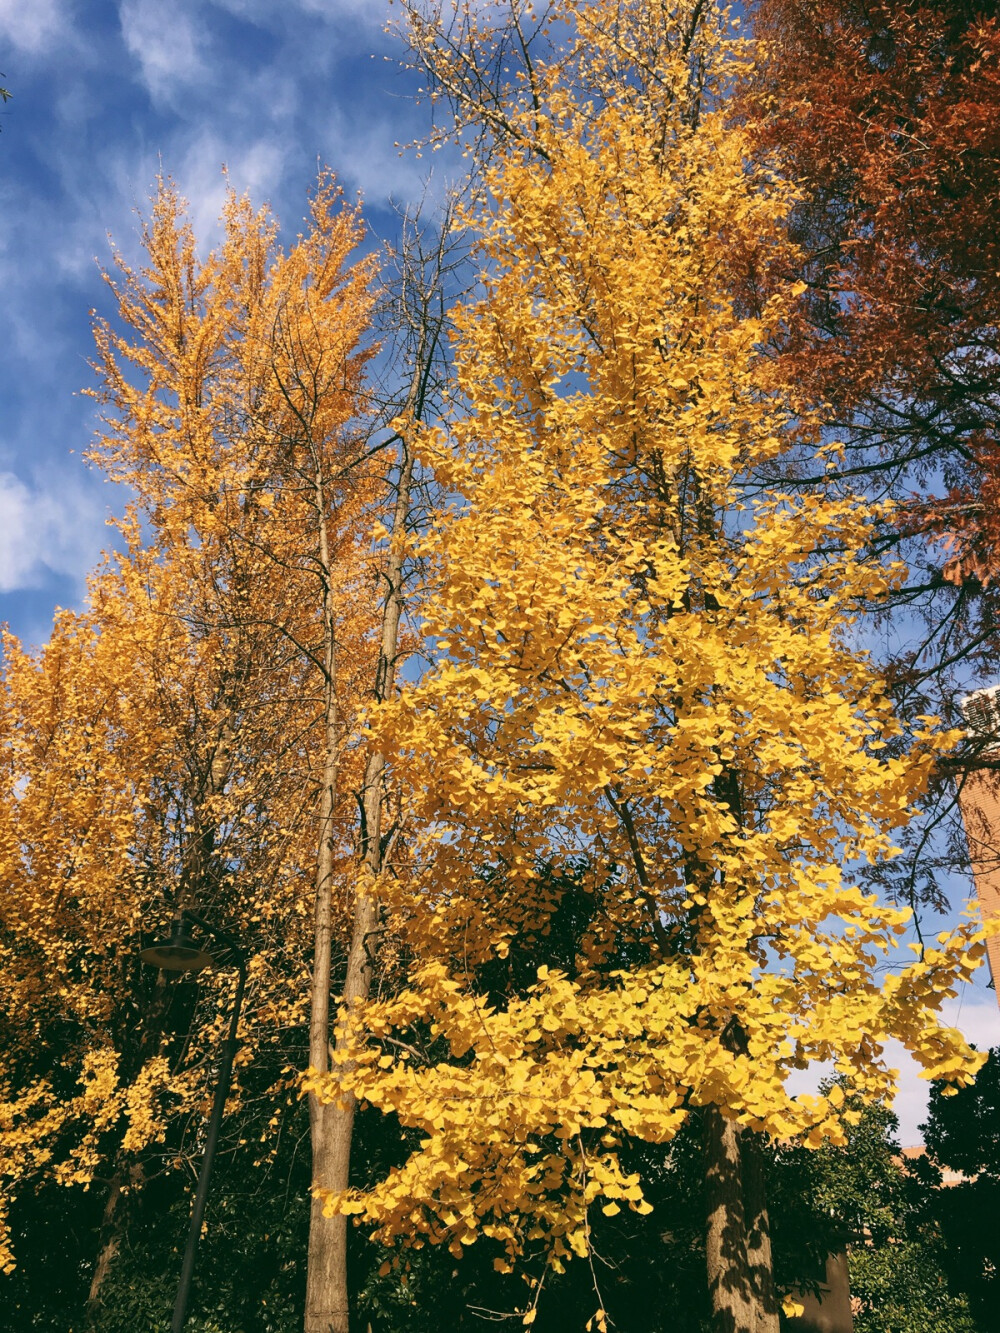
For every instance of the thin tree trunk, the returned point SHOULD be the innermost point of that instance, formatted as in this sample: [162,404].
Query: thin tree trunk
[326,1290]
[738,1244]
[113,1223]
[115,1216]
[326,1294]
[327,1302]
[110,1240]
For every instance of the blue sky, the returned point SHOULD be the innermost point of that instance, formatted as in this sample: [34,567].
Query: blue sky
[106,92]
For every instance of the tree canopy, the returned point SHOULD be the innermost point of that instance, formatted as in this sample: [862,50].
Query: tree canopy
[527,725]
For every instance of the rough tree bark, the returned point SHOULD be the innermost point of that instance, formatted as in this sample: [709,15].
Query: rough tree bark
[737,1237]
[737,1240]
[758,1232]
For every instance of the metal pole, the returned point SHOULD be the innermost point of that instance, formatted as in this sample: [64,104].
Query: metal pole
[226,1056]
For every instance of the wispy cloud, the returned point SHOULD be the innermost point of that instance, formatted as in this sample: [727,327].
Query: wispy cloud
[367,157]
[168,43]
[371,15]
[255,168]
[106,97]
[51,530]
[368,14]
[32,25]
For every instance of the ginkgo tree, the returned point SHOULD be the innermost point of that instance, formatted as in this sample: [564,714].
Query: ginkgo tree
[188,739]
[118,743]
[645,682]
[261,443]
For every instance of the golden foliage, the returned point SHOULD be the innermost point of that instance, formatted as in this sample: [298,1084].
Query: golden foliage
[645,681]
[162,749]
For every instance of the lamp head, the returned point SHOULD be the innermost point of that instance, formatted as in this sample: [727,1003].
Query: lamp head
[180,953]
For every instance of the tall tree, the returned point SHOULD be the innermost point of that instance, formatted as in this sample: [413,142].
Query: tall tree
[415,322]
[886,114]
[962,1136]
[119,741]
[285,478]
[886,117]
[215,679]
[641,654]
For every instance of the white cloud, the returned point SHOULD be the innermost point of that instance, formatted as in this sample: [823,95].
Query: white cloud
[255,169]
[31,25]
[42,532]
[372,13]
[167,43]
[366,13]
[365,157]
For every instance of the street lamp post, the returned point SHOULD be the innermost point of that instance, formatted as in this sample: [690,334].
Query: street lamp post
[182,954]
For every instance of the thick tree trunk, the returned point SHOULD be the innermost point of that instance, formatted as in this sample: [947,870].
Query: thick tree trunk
[759,1257]
[738,1245]
[732,1308]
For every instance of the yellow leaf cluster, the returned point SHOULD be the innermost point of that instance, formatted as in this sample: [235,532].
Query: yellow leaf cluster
[645,686]
[163,748]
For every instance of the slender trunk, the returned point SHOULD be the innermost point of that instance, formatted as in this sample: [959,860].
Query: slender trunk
[738,1244]
[326,1292]
[113,1223]
[326,1289]
[110,1240]
[327,1299]
[115,1215]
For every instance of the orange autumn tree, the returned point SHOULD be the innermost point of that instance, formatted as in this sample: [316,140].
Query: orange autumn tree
[65,846]
[272,460]
[118,744]
[215,677]
[643,683]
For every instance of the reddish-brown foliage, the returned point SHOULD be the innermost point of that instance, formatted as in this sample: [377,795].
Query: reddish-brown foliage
[888,114]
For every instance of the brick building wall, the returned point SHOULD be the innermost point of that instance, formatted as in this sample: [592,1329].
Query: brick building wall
[979,802]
